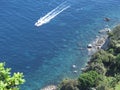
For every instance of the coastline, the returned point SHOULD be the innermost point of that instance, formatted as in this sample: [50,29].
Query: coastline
[101,42]
[102,68]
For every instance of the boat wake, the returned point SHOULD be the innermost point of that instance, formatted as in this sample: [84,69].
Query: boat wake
[52,14]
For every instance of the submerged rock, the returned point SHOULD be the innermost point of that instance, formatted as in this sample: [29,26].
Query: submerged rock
[107,19]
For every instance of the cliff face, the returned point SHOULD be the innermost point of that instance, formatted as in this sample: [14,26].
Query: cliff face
[106,44]
[103,70]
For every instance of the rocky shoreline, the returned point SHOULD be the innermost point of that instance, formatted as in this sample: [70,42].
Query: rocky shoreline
[101,42]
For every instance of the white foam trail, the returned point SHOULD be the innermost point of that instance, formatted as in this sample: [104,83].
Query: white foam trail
[54,10]
[45,19]
[57,13]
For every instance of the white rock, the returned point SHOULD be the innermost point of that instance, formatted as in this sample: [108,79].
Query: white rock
[74,66]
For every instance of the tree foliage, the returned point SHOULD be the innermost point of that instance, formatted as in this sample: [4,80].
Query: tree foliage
[88,79]
[8,81]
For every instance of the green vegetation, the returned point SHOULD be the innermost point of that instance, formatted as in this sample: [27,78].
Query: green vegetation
[103,71]
[8,81]
[69,84]
[88,79]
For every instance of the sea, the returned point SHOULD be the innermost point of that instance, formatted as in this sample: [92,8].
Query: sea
[46,54]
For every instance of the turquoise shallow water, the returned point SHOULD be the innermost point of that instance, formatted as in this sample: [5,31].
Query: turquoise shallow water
[46,54]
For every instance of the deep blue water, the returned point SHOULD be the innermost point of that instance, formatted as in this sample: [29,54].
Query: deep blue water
[46,54]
